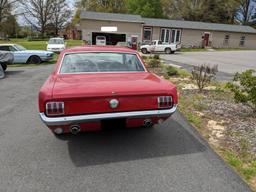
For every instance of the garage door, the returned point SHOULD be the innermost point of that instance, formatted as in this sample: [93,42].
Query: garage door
[111,38]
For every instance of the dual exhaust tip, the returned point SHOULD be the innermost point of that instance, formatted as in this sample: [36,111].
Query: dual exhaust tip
[75,129]
[148,123]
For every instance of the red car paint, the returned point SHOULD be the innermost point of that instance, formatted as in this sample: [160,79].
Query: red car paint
[90,93]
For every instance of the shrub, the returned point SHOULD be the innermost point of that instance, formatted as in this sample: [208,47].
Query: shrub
[156,56]
[154,63]
[203,75]
[244,88]
[171,71]
[144,57]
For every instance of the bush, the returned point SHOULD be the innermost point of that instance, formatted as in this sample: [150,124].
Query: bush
[244,88]
[171,71]
[144,57]
[156,57]
[203,75]
[154,63]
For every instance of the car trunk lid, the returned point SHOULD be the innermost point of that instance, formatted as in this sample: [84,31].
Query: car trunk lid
[92,93]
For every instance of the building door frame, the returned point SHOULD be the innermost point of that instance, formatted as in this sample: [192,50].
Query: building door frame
[206,39]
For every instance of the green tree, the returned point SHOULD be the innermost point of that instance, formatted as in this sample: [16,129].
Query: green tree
[10,26]
[145,8]
[217,11]
[111,6]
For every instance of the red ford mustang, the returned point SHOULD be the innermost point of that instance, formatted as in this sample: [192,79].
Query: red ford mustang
[99,87]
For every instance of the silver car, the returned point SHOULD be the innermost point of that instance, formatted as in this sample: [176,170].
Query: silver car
[22,55]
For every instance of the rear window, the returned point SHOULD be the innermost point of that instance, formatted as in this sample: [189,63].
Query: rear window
[56,41]
[100,37]
[100,62]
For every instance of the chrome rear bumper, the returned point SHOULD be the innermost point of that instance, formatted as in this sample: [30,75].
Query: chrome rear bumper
[66,120]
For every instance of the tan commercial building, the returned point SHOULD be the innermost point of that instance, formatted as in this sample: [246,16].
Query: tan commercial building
[135,30]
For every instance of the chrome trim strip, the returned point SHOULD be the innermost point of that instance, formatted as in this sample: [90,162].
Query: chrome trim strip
[96,117]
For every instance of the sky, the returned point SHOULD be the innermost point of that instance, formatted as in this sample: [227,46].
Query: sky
[21,20]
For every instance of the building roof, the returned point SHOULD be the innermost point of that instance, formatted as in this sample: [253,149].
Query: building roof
[198,25]
[111,17]
[166,22]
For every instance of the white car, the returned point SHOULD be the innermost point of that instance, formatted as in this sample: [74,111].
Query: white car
[159,46]
[56,45]
[101,40]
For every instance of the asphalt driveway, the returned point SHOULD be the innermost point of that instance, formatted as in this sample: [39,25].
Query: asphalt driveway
[229,62]
[169,157]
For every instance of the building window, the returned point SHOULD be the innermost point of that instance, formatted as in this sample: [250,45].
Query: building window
[226,39]
[147,33]
[170,35]
[165,35]
[176,35]
[242,41]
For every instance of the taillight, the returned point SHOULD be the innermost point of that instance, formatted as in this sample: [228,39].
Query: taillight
[165,102]
[54,108]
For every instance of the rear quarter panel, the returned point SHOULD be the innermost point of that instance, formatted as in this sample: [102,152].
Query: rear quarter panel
[45,93]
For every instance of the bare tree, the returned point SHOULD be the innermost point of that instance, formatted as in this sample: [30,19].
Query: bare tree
[61,15]
[39,13]
[246,11]
[5,8]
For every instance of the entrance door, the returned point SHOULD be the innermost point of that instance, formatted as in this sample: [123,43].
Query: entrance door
[206,39]
[134,42]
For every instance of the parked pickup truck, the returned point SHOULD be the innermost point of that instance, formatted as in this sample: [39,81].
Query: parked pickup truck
[159,46]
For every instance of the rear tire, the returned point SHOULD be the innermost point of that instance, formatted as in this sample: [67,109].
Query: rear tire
[34,60]
[144,51]
[168,51]
[4,66]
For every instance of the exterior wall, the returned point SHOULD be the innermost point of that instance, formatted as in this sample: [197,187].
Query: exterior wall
[189,37]
[234,40]
[156,33]
[130,29]
[193,38]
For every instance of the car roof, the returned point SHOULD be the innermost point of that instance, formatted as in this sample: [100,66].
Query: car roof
[7,44]
[95,48]
[57,38]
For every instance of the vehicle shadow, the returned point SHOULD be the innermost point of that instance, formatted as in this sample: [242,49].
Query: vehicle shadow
[168,139]
[9,73]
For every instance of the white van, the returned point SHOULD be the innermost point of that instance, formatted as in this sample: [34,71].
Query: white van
[56,45]
[101,40]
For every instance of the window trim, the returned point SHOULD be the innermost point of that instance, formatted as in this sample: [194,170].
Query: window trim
[175,37]
[226,41]
[170,34]
[244,39]
[160,35]
[68,53]
[151,35]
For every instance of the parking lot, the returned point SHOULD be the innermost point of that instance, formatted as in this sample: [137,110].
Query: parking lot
[168,157]
[228,62]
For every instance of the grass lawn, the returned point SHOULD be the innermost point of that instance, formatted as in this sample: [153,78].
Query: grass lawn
[215,49]
[38,45]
